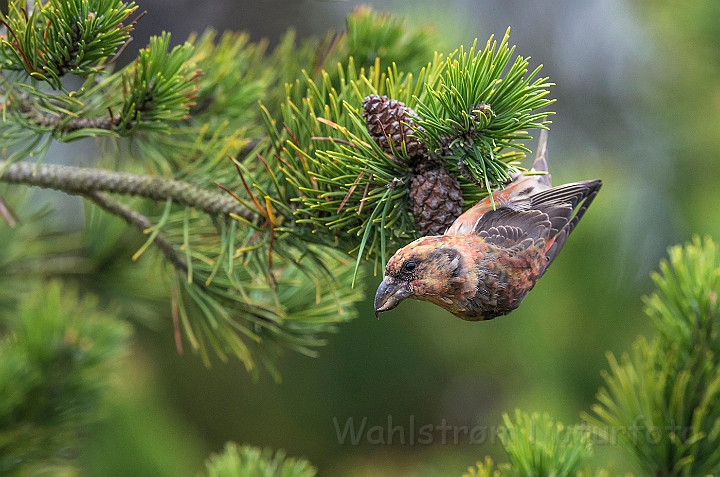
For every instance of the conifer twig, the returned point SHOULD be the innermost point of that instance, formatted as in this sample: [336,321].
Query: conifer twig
[140,222]
[84,181]
[24,104]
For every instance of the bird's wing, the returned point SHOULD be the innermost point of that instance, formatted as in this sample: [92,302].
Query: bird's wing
[507,227]
[549,215]
[515,196]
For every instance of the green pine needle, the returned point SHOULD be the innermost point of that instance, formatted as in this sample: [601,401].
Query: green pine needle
[666,393]
[487,469]
[540,446]
[339,177]
[246,461]
[159,87]
[478,113]
[58,357]
[64,36]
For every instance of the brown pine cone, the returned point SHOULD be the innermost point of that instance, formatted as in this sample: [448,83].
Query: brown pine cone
[388,121]
[435,200]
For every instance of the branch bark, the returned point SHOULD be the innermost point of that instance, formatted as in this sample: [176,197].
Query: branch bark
[86,181]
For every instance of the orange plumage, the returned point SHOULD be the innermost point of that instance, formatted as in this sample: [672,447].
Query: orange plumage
[490,258]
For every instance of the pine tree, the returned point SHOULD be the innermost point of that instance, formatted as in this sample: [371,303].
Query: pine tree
[262,181]
[260,211]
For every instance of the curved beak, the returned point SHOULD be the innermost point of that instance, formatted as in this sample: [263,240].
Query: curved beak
[389,294]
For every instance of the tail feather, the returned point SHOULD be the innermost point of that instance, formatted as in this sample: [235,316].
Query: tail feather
[540,164]
[591,188]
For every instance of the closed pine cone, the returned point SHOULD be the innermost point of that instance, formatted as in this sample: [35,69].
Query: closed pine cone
[388,121]
[435,201]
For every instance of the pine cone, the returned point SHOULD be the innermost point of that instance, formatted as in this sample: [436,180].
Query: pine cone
[435,200]
[388,121]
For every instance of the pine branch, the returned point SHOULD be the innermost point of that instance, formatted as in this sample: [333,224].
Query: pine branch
[249,461]
[58,360]
[140,222]
[671,383]
[24,105]
[85,181]
[57,38]
[477,115]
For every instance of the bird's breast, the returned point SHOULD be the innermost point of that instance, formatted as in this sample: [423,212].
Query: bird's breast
[503,279]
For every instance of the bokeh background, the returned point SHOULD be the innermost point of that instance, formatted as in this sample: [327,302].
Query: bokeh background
[638,103]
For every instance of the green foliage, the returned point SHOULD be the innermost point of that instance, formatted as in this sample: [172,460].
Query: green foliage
[236,74]
[487,469]
[474,114]
[311,183]
[685,307]
[185,125]
[245,307]
[538,446]
[60,37]
[354,195]
[79,37]
[335,182]
[661,402]
[32,251]
[222,119]
[299,287]
[159,87]
[662,408]
[246,461]
[57,359]
[370,35]
[37,249]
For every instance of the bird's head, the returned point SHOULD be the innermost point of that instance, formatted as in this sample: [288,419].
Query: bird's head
[423,270]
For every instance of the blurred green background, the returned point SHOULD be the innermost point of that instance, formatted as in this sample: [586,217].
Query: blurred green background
[638,105]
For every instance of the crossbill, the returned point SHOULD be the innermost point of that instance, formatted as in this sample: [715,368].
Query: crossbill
[493,254]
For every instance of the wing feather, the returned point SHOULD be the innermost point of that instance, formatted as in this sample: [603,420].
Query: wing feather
[589,191]
[508,227]
[549,215]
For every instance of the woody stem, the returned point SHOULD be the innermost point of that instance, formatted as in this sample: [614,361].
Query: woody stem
[84,181]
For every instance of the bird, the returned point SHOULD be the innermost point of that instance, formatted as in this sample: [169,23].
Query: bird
[488,260]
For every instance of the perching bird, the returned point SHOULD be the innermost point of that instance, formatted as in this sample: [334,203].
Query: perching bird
[489,259]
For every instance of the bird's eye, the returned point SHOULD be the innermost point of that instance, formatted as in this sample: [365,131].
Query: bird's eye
[410,266]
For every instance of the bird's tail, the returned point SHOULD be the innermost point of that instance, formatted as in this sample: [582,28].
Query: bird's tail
[540,164]
[580,195]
